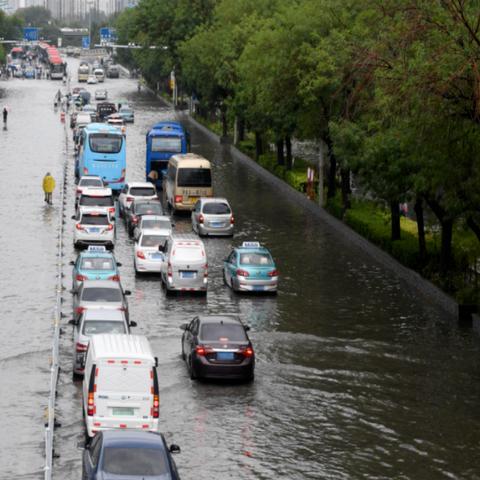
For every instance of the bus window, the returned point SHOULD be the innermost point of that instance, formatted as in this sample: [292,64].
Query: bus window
[105,143]
[194,177]
[167,144]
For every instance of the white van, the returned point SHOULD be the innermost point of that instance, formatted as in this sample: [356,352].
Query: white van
[99,74]
[120,386]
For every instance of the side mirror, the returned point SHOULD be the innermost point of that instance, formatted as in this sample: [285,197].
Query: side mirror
[156,361]
[83,445]
[174,448]
[127,292]
[74,217]
[133,324]
[71,262]
[247,328]
[184,326]
[73,322]
[119,264]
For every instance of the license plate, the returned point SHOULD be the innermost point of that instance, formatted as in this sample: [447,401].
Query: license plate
[186,274]
[258,288]
[190,199]
[217,224]
[94,230]
[225,356]
[123,411]
[156,256]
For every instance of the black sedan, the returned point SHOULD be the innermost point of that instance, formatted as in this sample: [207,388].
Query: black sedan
[129,454]
[138,208]
[218,347]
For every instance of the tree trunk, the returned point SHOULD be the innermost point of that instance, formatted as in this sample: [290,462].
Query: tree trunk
[288,144]
[395,213]
[258,145]
[422,244]
[280,152]
[345,176]
[224,122]
[446,252]
[332,171]
[241,129]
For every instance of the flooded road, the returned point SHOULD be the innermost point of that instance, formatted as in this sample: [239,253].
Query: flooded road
[356,376]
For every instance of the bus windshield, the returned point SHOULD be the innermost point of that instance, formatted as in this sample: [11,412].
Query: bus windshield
[194,177]
[105,143]
[167,144]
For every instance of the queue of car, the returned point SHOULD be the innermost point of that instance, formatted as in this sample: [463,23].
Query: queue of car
[121,395]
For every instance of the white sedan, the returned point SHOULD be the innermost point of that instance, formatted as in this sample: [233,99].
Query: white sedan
[92,80]
[148,252]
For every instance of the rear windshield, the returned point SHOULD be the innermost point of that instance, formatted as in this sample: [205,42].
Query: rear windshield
[100,294]
[261,259]
[194,177]
[189,253]
[163,224]
[88,219]
[88,201]
[226,332]
[153,240]
[142,192]
[105,143]
[90,182]
[216,208]
[148,209]
[166,144]
[134,461]
[98,263]
[95,327]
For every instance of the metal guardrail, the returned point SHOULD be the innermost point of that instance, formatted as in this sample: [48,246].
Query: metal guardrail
[57,316]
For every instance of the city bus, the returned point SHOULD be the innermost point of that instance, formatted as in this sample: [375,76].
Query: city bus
[83,72]
[57,68]
[164,140]
[102,152]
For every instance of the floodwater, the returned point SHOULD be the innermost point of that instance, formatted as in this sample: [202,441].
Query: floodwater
[357,375]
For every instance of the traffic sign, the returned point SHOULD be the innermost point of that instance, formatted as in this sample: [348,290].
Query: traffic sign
[30,34]
[86,42]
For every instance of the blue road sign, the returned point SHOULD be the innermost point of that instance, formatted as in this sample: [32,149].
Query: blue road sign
[86,42]
[30,34]
[105,33]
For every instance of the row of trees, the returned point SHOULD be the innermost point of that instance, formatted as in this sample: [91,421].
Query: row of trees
[392,87]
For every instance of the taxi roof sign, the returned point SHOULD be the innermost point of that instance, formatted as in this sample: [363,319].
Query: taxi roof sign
[96,248]
[251,244]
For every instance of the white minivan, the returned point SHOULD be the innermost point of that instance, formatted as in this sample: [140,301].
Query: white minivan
[120,386]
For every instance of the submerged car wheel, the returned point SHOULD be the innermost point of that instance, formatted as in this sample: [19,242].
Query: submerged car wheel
[191,370]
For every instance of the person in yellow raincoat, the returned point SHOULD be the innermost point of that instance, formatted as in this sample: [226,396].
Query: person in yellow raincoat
[48,187]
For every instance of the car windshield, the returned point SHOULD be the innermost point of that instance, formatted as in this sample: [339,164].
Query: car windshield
[97,263]
[148,209]
[90,182]
[216,208]
[217,332]
[189,253]
[161,224]
[257,259]
[152,240]
[194,177]
[166,144]
[134,461]
[94,219]
[92,201]
[101,294]
[95,327]
[142,191]
[105,143]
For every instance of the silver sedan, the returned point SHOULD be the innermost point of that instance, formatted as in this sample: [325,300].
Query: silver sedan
[213,216]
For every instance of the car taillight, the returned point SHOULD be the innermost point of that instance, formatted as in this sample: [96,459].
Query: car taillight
[134,219]
[156,398]
[80,278]
[115,278]
[129,199]
[169,270]
[200,350]
[122,309]
[273,273]
[81,347]
[205,273]
[232,220]
[242,273]
[141,255]
[79,310]
[111,209]
[79,190]
[91,391]
[85,170]
[248,352]
[110,227]
[178,198]
[156,406]
[90,405]
[78,226]
[201,218]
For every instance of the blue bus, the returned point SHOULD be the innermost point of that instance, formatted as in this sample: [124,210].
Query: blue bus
[164,140]
[103,153]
